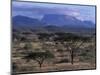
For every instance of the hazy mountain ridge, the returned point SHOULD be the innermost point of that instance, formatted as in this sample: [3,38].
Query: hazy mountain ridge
[51,22]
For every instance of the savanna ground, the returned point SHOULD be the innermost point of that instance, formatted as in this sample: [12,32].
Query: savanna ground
[43,52]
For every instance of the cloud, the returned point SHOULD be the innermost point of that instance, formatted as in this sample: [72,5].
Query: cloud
[35,9]
[38,10]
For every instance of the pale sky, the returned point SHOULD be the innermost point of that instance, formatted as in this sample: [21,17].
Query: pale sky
[38,10]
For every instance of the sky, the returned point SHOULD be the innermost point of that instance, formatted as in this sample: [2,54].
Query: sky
[38,10]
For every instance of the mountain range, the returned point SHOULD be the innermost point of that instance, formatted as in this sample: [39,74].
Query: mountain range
[51,22]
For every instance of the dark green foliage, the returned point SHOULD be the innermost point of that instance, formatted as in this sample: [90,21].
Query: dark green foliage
[14,67]
[39,56]
[23,39]
[45,36]
[26,33]
[63,61]
[59,50]
[69,37]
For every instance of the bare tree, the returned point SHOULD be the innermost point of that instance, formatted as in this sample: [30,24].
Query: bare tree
[74,47]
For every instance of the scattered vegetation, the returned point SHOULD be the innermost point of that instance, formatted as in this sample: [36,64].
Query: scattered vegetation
[61,49]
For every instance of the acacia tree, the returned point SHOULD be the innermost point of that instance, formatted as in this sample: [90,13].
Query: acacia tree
[39,57]
[75,45]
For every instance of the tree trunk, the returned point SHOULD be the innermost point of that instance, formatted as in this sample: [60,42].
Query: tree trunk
[40,64]
[72,58]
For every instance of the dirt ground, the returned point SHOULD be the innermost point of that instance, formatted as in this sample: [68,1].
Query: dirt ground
[60,67]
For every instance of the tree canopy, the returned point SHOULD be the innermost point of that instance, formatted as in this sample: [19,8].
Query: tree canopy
[40,57]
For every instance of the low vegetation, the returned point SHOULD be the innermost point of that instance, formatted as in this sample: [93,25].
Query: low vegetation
[52,51]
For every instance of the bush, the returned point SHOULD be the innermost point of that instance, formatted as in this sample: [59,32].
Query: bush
[63,61]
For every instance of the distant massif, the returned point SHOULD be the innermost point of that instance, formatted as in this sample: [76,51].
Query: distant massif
[52,23]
